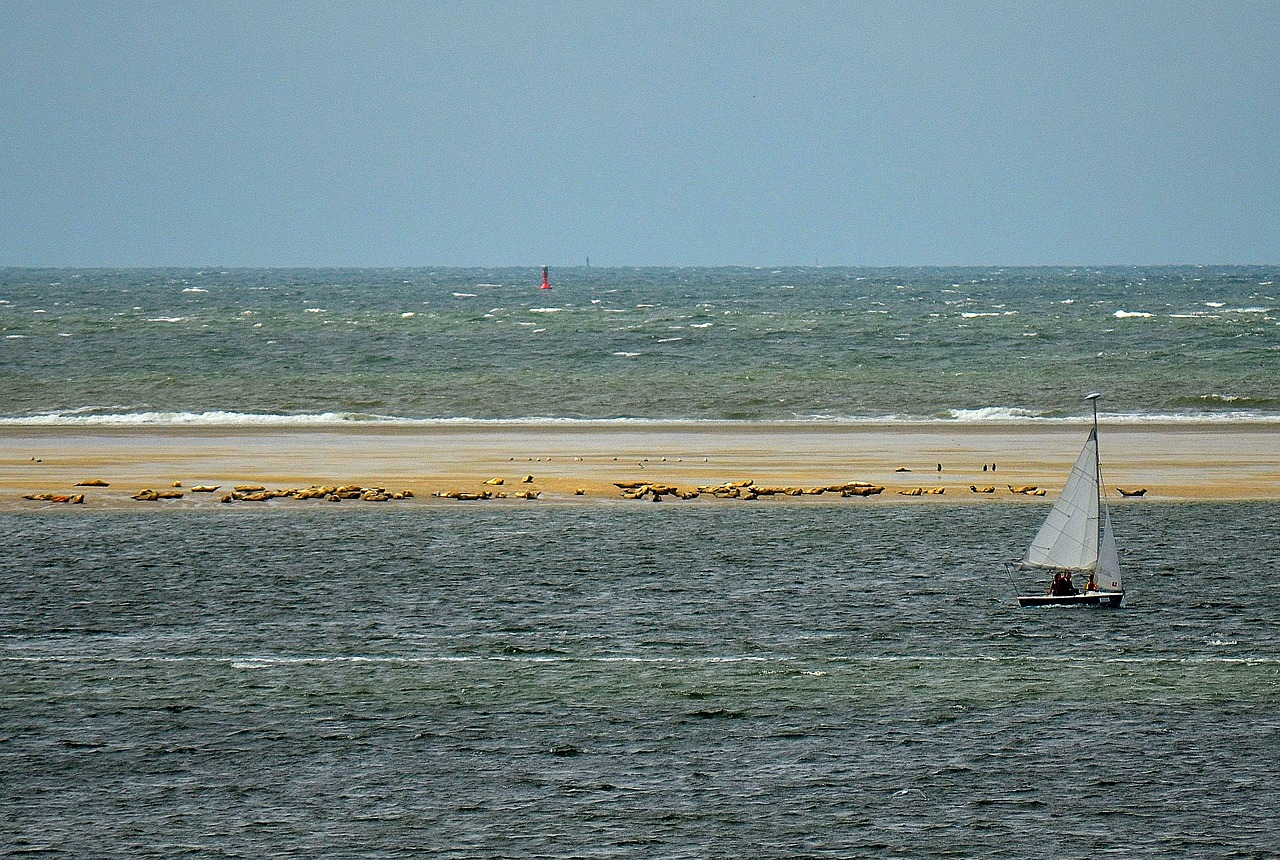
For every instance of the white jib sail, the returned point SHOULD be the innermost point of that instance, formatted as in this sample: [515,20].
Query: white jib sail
[1108,575]
[1069,537]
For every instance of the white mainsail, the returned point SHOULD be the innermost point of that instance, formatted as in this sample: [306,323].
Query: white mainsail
[1068,540]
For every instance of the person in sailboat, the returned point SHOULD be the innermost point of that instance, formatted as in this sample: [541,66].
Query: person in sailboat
[1062,585]
[1092,583]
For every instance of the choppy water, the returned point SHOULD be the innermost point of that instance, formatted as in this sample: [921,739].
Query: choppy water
[720,343]
[656,681]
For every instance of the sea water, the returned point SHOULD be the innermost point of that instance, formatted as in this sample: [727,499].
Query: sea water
[792,344]
[620,680]
[769,680]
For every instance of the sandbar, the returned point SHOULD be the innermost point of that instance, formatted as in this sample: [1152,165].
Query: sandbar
[580,462]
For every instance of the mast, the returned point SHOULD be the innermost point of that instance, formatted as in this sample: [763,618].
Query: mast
[1092,397]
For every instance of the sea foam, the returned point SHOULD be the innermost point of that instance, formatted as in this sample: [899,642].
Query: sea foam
[89,417]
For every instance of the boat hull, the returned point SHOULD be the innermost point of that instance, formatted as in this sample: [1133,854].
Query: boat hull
[1089,598]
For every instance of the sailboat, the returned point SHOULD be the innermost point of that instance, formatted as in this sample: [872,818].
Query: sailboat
[1076,539]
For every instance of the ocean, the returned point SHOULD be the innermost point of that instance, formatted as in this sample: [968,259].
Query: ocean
[737,344]
[631,681]
[621,680]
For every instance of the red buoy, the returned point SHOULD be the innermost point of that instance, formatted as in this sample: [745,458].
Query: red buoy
[546,285]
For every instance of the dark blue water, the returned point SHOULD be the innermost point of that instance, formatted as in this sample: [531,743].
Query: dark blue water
[576,681]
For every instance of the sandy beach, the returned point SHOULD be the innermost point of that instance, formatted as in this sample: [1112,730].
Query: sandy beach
[582,462]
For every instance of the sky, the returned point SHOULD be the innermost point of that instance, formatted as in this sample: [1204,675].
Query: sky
[684,133]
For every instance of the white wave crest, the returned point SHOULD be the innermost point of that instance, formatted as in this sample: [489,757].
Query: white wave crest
[115,417]
[213,418]
[1128,314]
[993,413]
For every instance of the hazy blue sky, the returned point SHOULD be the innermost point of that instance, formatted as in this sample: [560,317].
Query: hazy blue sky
[633,133]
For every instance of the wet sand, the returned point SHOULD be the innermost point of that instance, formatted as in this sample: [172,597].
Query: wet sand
[1172,462]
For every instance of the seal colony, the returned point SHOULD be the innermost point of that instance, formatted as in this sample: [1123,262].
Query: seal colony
[635,490]
[600,464]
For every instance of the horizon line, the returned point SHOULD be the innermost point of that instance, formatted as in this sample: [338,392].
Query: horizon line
[586,266]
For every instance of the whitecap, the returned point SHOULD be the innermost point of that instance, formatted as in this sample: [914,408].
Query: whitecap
[669,339]
[464,295]
[626,354]
[406,315]
[110,416]
[701,325]
[1128,314]
[14,336]
[317,311]
[1214,304]
[193,290]
[545,310]
[993,413]
[536,330]
[167,319]
[971,315]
